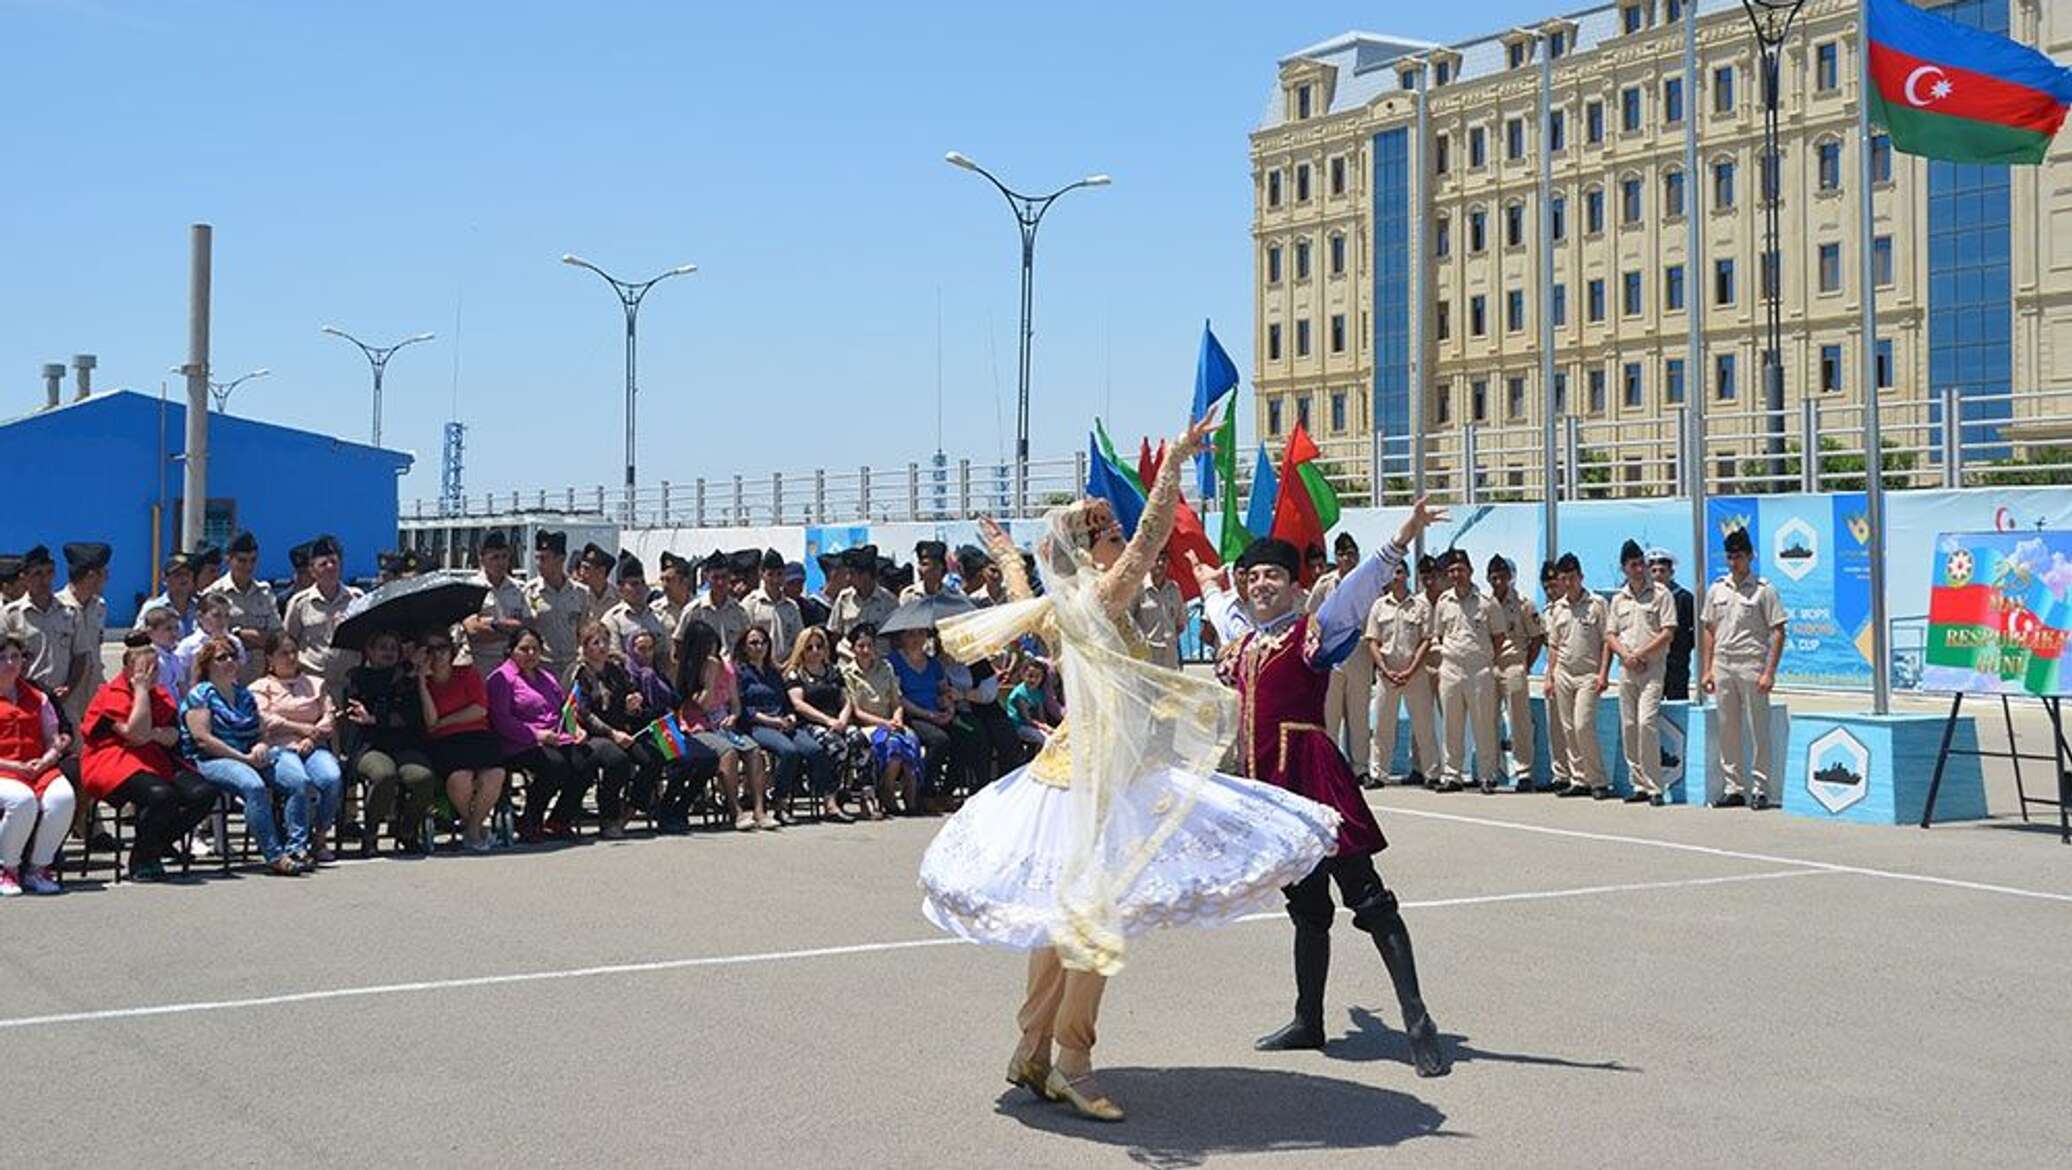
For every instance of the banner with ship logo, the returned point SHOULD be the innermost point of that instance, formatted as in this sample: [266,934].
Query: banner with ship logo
[1816,551]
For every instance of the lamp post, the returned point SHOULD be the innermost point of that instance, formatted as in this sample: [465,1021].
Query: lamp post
[1773,21]
[1028,214]
[377,358]
[220,391]
[630,295]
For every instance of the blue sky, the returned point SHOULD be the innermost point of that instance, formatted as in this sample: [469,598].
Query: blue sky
[388,167]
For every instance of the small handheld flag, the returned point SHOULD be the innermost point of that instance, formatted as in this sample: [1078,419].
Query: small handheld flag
[571,709]
[667,735]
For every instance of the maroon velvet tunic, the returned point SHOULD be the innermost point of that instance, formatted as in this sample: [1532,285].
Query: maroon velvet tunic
[1281,736]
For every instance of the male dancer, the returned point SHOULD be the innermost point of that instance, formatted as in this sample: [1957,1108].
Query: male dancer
[1280,661]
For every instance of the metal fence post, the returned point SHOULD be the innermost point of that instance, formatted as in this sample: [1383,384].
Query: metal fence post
[776,497]
[739,515]
[1572,457]
[514,502]
[863,492]
[665,503]
[1472,491]
[1079,469]
[1952,439]
[600,499]
[963,487]
[543,499]
[571,498]
[913,491]
[698,503]
[1680,481]
[820,494]
[1809,445]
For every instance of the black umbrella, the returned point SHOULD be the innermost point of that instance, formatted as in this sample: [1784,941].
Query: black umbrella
[408,606]
[926,612]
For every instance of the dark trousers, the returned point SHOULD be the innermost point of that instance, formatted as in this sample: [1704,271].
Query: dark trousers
[1003,749]
[401,785]
[1360,889]
[557,775]
[167,810]
[625,774]
[798,756]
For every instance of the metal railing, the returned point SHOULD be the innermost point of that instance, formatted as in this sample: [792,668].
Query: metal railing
[2018,437]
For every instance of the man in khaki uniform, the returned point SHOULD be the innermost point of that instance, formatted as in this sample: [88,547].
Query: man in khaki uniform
[1578,665]
[931,572]
[1524,637]
[1557,747]
[1468,629]
[1643,619]
[593,572]
[865,600]
[1399,641]
[1431,584]
[558,605]
[253,614]
[86,575]
[769,608]
[55,661]
[1161,614]
[1744,639]
[631,615]
[679,577]
[504,611]
[1349,695]
[313,616]
[717,608]
[11,586]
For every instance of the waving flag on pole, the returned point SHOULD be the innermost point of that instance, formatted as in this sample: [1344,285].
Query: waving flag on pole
[1952,92]
[1214,376]
[1266,485]
[1189,535]
[1108,479]
[1232,540]
[1306,507]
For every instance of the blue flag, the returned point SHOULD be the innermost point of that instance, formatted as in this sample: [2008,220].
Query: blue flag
[1106,480]
[1214,376]
[1266,488]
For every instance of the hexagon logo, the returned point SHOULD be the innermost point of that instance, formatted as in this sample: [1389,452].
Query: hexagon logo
[1795,549]
[1838,769]
[1670,751]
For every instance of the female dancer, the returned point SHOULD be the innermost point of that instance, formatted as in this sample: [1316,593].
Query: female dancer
[1121,823]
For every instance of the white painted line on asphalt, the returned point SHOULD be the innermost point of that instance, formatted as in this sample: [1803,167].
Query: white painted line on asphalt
[383,989]
[1735,854]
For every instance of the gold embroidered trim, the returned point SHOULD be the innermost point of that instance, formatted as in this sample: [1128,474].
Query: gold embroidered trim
[1052,766]
[1288,729]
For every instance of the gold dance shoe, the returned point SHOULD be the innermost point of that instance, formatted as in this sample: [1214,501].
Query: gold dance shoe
[1086,1103]
[1030,1074]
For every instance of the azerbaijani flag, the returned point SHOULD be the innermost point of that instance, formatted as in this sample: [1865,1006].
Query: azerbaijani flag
[571,709]
[667,735]
[1108,478]
[1948,91]
[1235,537]
[1306,507]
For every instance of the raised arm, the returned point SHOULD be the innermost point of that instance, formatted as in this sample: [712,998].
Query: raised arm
[1344,614]
[1014,576]
[1119,585]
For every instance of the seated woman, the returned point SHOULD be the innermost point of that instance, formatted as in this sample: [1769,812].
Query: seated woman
[36,800]
[873,691]
[525,710]
[949,746]
[767,716]
[295,718]
[220,736]
[128,734]
[711,704]
[455,704]
[825,712]
[613,711]
[696,762]
[385,721]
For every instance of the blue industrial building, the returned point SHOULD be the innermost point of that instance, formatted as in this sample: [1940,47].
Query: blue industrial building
[109,468]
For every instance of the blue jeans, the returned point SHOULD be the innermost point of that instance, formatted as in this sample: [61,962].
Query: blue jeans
[255,790]
[797,752]
[319,770]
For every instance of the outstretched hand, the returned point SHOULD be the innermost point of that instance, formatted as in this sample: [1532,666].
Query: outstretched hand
[1195,439]
[1205,577]
[1423,514]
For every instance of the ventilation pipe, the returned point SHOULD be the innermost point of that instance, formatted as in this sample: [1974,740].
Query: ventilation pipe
[53,383]
[83,375]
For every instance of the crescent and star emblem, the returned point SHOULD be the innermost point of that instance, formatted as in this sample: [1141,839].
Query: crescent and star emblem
[1936,92]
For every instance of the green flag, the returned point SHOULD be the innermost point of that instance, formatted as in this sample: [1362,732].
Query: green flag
[1235,536]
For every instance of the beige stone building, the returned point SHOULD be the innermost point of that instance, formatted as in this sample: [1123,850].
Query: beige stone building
[1357,222]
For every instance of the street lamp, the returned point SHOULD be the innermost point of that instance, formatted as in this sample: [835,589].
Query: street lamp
[630,296]
[220,391]
[377,357]
[1028,213]
[1773,20]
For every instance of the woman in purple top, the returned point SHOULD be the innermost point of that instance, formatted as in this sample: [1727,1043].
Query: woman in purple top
[525,711]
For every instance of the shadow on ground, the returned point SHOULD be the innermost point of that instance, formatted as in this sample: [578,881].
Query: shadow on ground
[1180,1117]
[1373,1040]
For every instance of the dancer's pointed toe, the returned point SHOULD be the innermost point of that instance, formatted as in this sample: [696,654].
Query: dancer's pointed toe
[1425,1053]
[1083,1095]
[1296,1035]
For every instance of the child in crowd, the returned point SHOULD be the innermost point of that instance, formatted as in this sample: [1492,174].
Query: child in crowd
[1025,704]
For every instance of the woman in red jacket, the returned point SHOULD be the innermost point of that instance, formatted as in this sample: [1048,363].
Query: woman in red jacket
[129,732]
[35,797]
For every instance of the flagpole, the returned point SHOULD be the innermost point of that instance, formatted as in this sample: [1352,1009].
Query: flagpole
[1874,452]
[1548,470]
[1695,381]
[1421,178]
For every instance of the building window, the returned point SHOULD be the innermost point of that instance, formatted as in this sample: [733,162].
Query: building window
[1478,147]
[1478,399]
[1514,397]
[1593,122]
[1723,184]
[1338,410]
[1593,297]
[1302,411]
[1273,264]
[1558,205]
[1630,383]
[1337,255]
[1830,268]
[1273,188]
[1514,225]
[1825,68]
[1557,131]
[1442,403]
[1629,201]
[1302,183]
[1673,194]
[1830,368]
[1439,161]
[1881,261]
[1672,11]
[1830,159]
[1881,158]
[1722,282]
[1273,416]
[1561,392]
[1629,295]
[1478,318]
[1560,304]
[1673,381]
[1557,44]
[1633,18]
[1514,311]
[1273,342]
[1596,403]
[1478,225]
[1408,78]
[1442,74]
[1882,356]
[1516,53]
[1593,211]
[1443,320]
[1514,139]
[1629,109]
[1442,238]
[1302,259]
[1338,333]
[1723,387]
[1723,90]
[1673,288]
[1302,101]
[1302,338]
[1338,176]
[1672,101]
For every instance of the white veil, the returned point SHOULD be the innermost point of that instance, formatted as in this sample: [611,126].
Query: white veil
[1127,719]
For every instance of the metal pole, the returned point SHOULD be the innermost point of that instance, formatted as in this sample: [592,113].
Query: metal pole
[1021,411]
[1773,21]
[1695,288]
[1418,389]
[378,368]
[1952,439]
[632,354]
[1552,522]
[1874,454]
[194,478]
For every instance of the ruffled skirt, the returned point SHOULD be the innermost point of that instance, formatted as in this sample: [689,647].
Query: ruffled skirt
[992,873]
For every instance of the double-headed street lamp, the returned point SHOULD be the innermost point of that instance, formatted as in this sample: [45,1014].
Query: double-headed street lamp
[220,391]
[630,295]
[1028,213]
[377,357]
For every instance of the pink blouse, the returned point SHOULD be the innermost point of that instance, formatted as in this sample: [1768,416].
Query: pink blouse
[297,700]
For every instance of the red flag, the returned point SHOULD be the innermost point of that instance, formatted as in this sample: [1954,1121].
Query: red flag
[1148,464]
[1294,512]
[1189,535]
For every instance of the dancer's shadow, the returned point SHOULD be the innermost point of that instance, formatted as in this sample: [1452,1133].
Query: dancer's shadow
[1373,1040]
[1180,1117]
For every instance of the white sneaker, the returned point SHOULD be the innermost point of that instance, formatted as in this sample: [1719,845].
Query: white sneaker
[10,884]
[41,880]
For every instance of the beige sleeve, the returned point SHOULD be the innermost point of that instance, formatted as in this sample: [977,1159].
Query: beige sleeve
[1773,607]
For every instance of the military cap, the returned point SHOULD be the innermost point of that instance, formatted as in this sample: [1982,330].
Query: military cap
[630,568]
[1569,563]
[325,546]
[299,555]
[86,556]
[1738,542]
[244,542]
[931,550]
[1631,551]
[594,556]
[494,541]
[37,557]
[772,560]
[544,541]
[1346,544]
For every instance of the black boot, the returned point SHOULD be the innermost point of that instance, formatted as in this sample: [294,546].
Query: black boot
[1312,967]
[1392,939]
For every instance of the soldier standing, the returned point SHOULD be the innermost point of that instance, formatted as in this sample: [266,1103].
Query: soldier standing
[717,608]
[557,603]
[1744,639]
[1557,747]
[1349,695]
[299,579]
[864,600]
[86,576]
[1578,665]
[1643,620]
[677,577]
[1524,637]
[253,615]
[11,586]
[1399,642]
[313,616]
[594,573]
[1468,630]
[769,608]
[1676,682]
[55,661]
[504,611]
[1431,583]
[630,614]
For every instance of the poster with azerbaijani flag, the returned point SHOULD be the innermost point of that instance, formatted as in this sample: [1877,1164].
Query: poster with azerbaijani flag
[1999,611]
